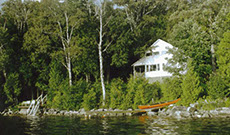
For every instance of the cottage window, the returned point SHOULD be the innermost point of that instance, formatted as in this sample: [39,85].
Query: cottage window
[163,52]
[156,53]
[149,54]
[140,69]
[155,67]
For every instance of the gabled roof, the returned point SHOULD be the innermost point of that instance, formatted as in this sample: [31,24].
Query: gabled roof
[158,45]
[162,44]
[144,61]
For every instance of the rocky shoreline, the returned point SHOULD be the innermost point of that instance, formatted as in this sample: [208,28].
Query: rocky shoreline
[178,112]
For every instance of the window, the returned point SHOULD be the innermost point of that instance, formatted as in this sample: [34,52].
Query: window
[140,69]
[156,53]
[163,52]
[149,54]
[155,67]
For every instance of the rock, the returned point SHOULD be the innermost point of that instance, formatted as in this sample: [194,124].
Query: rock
[130,109]
[177,114]
[105,110]
[194,105]
[82,110]
[23,111]
[92,110]
[191,110]
[224,110]
[151,113]
[128,114]
[214,112]
[206,115]
[10,112]
[185,114]
[75,112]
[51,111]
[62,112]
[120,114]
[197,115]
[117,110]
[100,110]
[67,113]
[110,109]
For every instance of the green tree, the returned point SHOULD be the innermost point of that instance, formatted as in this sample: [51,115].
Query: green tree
[196,28]
[56,84]
[191,87]
[216,88]
[223,61]
[67,17]
[117,92]
[171,88]
[92,99]
[12,88]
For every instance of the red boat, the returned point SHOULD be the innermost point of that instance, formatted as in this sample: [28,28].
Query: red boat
[158,106]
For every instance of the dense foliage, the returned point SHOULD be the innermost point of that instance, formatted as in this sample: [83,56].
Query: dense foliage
[51,47]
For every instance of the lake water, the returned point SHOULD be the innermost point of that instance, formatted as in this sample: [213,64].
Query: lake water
[64,125]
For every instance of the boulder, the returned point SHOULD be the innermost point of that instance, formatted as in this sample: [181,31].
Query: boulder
[151,113]
[117,110]
[214,112]
[224,110]
[191,110]
[130,109]
[82,110]
[23,111]
[100,110]
[128,114]
[206,114]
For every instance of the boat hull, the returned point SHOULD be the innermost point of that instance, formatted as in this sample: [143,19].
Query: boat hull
[158,106]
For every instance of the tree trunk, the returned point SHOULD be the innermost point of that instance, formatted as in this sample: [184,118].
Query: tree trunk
[69,71]
[101,58]
[87,77]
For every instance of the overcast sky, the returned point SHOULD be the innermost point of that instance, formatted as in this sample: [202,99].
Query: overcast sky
[1,1]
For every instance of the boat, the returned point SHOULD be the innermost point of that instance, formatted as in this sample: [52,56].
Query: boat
[158,105]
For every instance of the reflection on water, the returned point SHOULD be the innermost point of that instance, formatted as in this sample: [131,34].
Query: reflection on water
[62,125]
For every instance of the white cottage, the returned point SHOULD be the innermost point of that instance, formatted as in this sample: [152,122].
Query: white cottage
[151,66]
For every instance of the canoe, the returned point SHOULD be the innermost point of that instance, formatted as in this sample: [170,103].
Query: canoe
[158,106]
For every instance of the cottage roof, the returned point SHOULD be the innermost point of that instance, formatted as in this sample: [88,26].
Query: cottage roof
[158,45]
[161,45]
[144,61]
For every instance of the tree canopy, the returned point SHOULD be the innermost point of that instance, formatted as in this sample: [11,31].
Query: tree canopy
[52,47]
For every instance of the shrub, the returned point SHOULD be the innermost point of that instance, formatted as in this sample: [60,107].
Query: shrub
[92,98]
[117,92]
[216,87]
[12,88]
[171,88]
[191,87]
[140,91]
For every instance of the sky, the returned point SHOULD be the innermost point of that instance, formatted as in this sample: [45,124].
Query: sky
[1,1]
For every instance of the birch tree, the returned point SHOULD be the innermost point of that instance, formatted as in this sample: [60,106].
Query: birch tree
[101,10]
[67,18]
[101,14]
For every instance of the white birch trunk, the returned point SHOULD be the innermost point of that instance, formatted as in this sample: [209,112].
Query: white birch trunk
[66,45]
[100,56]
[69,71]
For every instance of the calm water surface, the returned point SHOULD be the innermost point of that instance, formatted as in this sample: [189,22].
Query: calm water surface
[63,125]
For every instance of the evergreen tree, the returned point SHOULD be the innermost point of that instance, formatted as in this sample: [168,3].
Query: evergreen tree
[223,61]
[191,87]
